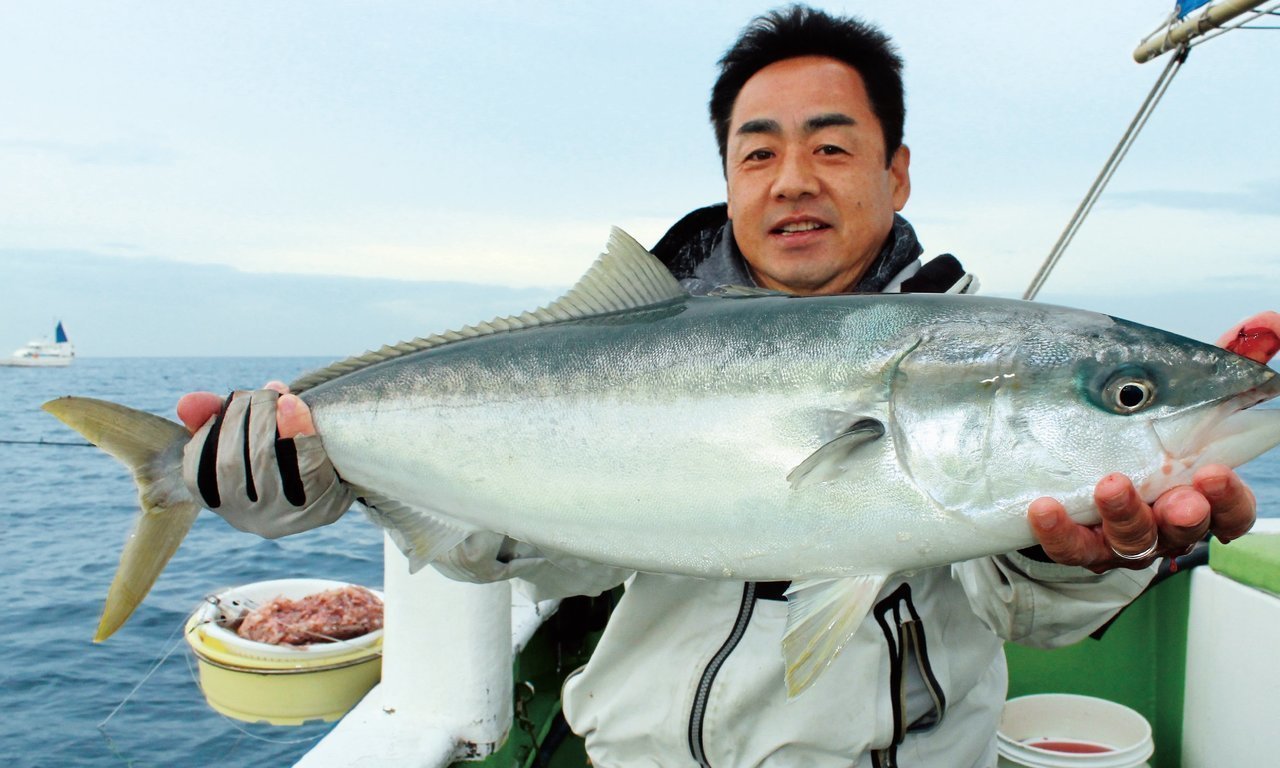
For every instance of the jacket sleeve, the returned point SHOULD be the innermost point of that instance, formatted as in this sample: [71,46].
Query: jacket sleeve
[1045,605]
[485,557]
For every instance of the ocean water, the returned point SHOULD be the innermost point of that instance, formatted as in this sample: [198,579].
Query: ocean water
[64,513]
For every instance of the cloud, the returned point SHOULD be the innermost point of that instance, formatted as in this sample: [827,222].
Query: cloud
[1259,198]
[115,152]
[119,306]
[1201,313]
[1126,252]
[510,250]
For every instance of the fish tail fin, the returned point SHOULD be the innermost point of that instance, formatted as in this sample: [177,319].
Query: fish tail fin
[151,447]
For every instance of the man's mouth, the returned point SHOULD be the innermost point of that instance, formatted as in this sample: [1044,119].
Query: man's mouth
[797,227]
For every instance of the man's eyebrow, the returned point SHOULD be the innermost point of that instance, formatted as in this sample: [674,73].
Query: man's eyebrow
[812,125]
[762,125]
[828,120]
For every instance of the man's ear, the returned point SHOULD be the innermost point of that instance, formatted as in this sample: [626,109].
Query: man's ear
[900,177]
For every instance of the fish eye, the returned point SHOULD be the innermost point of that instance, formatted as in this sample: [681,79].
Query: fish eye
[1128,394]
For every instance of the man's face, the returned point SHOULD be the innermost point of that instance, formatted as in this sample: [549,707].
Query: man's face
[809,194]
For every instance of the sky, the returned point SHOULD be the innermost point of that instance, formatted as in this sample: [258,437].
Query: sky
[319,178]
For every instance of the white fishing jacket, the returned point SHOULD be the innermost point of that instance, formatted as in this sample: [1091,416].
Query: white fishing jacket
[689,672]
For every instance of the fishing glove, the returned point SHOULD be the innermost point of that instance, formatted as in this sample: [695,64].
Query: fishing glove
[237,466]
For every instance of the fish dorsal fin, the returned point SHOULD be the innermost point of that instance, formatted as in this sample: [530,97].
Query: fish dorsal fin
[822,615]
[833,460]
[625,276]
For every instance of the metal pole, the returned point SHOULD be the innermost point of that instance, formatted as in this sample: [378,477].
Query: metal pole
[1198,23]
[1104,176]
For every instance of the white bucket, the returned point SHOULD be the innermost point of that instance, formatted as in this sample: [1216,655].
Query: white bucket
[1061,730]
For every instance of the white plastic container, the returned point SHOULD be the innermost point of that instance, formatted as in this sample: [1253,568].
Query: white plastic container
[1061,730]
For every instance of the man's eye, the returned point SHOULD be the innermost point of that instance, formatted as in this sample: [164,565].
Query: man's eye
[758,155]
[831,149]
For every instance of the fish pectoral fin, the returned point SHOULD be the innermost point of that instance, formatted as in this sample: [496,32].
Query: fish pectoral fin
[833,460]
[822,615]
[421,536]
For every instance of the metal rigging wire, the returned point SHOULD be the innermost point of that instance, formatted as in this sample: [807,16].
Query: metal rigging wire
[1100,183]
[1241,22]
[1190,32]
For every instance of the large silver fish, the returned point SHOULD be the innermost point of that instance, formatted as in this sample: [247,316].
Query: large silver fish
[830,441]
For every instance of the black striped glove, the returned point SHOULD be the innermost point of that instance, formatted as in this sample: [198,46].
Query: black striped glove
[237,466]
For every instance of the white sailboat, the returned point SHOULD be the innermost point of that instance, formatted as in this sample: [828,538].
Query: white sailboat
[43,353]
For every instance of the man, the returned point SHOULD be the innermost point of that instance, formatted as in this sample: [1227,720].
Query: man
[808,112]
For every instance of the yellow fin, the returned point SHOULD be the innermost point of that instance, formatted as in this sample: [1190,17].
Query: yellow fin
[151,447]
[822,615]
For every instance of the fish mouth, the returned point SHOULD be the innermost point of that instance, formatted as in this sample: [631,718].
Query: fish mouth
[1231,432]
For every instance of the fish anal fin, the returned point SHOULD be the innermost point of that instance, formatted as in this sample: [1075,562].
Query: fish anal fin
[422,536]
[833,459]
[822,615]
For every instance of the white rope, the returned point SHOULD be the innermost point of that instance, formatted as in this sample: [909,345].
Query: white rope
[172,647]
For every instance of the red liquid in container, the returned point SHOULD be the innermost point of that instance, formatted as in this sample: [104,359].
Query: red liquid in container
[1072,747]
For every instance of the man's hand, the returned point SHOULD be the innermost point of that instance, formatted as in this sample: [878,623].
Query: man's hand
[293,417]
[255,460]
[1216,502]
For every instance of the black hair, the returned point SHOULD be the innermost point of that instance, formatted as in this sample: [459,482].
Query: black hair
[799,30]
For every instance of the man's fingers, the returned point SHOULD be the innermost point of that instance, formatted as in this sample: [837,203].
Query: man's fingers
[293,417]
[1256,337]
[1183,515]
[195,408]
[1059,536]
[1128,524]
[1233,508]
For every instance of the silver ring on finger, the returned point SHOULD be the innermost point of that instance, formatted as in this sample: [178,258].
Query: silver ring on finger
[1143,555]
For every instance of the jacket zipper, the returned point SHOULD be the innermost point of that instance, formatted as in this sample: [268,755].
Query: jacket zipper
[699,711]
[915,633]
[905,644]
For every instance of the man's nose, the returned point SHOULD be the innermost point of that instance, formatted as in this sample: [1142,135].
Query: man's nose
[795,177]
